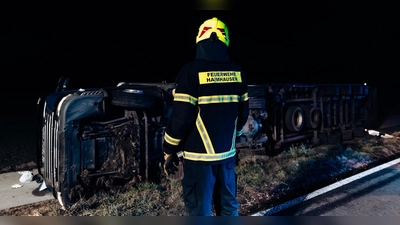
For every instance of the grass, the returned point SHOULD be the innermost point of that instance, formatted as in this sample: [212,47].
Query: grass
[147,199]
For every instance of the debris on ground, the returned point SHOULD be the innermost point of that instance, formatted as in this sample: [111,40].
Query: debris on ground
[26,176]
[379,134]
[15,186]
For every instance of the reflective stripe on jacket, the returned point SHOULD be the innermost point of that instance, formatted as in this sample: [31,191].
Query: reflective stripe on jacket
[210,105]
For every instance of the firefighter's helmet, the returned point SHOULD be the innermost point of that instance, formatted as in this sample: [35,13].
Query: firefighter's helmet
[216,26]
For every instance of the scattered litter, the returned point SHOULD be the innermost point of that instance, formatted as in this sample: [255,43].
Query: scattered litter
[379,134]
[42,186]
[26,176]
[15,186]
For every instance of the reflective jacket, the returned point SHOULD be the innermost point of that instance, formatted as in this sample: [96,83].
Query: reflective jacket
[210,106]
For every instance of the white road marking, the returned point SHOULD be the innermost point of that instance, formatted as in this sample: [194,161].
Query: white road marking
[323,190]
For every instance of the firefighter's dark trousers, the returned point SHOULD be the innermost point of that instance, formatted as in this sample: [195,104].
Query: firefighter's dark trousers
[205,185]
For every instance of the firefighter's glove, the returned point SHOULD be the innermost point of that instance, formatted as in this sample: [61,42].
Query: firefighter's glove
[171,163]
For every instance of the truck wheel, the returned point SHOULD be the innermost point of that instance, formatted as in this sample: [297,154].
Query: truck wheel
[131,98]
[294,118]
[313,116]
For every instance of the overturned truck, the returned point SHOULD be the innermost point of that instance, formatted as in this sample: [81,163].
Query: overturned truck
[110,138]
[289,114]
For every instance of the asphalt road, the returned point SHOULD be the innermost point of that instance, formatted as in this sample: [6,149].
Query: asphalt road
[375,195]
[26,194]
[375,192]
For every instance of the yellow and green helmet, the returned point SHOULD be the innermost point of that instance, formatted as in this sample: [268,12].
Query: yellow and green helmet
[216,26]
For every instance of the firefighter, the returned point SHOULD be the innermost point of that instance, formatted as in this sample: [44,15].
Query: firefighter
[210,107]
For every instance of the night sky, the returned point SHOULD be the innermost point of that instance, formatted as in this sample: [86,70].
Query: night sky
[284,45]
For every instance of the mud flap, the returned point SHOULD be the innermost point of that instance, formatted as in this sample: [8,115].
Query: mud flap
[347,135]
[329,138]
[358,131]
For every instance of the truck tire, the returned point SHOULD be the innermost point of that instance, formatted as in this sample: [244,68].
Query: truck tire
[132,99]
[313,116]
[294,118]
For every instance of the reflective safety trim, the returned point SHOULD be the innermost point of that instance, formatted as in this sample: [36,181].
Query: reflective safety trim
[204,135]
[207,157]
[234,136]
[171,140]
[244,97]
[219,99]
[185,98]
[210,154]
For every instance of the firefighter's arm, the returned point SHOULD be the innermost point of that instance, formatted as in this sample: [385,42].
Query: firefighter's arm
[182,117]
[178,125]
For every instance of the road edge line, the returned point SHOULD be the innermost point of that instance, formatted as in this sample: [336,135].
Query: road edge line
[323,190]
